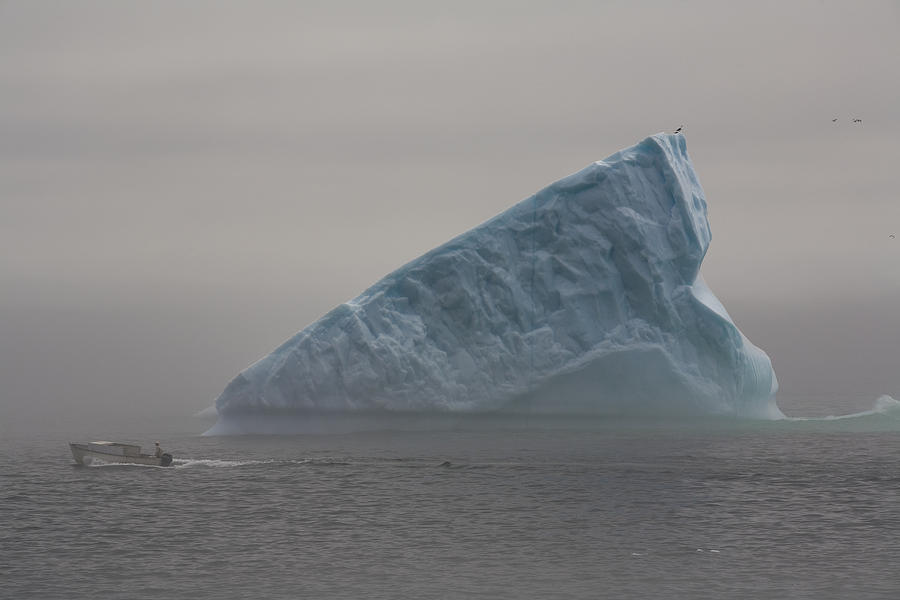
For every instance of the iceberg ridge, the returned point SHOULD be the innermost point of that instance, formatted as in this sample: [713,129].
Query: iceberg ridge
[584,298]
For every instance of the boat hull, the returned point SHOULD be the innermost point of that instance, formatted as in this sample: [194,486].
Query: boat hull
[88,454]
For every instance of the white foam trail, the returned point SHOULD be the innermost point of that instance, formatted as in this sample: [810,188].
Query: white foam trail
[98,463]
[212,462]
[182,463]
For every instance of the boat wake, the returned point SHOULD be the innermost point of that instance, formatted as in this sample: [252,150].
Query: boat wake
[187,463]
[214,463]
[98,463]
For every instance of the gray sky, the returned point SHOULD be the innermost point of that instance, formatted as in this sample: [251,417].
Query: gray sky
[184,185]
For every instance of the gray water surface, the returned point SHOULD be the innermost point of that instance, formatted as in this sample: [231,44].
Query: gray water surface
[598,510]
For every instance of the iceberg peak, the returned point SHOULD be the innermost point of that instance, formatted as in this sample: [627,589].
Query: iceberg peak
[583,298]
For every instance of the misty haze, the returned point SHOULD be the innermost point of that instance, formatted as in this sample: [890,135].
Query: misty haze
[451,273]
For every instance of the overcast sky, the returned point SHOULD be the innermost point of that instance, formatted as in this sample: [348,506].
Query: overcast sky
[184,185]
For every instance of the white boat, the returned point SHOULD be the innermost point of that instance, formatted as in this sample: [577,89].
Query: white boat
[116,453]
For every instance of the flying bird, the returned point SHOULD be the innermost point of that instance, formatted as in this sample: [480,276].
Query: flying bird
[679,129]
[892,236]
[857,120]
[834,120]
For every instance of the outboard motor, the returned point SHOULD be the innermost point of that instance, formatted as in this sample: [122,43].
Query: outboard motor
[165,460]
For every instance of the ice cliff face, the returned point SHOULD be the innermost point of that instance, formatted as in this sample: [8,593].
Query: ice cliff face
[584,298]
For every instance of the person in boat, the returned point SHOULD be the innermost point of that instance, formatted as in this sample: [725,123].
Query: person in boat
[159,451]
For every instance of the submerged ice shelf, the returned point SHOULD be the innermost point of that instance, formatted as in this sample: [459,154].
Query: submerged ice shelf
[584,298]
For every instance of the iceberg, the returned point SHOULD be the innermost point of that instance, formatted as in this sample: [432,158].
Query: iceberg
[585,298]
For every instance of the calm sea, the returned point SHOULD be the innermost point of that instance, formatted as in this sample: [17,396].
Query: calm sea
[482,509]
